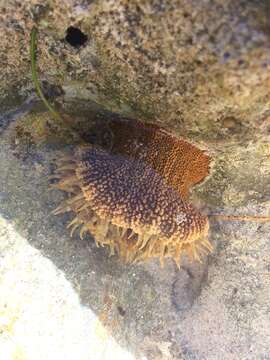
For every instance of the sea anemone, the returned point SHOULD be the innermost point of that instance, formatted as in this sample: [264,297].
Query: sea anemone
[125,204]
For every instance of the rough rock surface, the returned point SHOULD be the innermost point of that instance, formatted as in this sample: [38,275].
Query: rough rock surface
[200,68]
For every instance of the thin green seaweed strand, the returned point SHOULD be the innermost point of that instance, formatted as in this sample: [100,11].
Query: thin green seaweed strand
[33,46]
[60,120]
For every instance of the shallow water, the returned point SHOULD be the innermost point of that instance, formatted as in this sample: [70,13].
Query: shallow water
[151,299]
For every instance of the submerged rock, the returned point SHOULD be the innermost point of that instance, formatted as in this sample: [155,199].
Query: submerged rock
[200,68]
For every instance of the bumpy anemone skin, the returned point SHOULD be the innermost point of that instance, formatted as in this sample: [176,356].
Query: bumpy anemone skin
[129,194]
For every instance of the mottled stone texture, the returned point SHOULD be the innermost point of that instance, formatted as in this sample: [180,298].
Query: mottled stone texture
[199,68]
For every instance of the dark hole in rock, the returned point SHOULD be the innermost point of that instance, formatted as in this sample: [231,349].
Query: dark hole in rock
[75,37]
[121,311]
